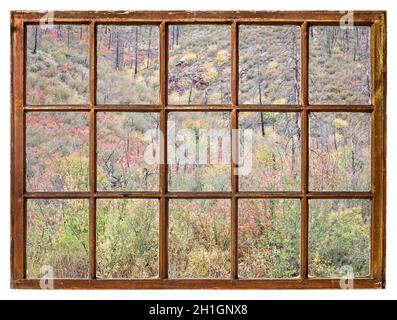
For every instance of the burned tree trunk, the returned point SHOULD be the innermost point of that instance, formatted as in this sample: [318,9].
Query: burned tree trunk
[173,37]
[260,99]
[262,124]
[355,48]
[148,49]
[329,42]
[293,147]
[119,52]
[190,91]
[177,35]
[59,33]
[295,68]
[36,30]
[69,36]
[110,38]
[136,52]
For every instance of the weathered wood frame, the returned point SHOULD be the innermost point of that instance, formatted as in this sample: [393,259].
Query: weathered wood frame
[375,19]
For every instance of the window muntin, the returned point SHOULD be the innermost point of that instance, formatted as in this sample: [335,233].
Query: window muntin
[370,194]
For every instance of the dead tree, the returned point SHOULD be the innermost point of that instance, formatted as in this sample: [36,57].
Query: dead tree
[59,33]
[36,31]
[356,44]
[148,49]
[110,37]
[368,82]
[190,90]
[260,98]
[177,35]
[329,41]
[173,37]
[345,40]
[119,52]
[136,52]
[69,36]
[295,67]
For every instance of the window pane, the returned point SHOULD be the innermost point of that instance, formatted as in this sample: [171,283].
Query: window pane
[273,161]
[199,238]
[199,64]
[269,238]
[199,151]
[339,65]
[127,238]
[57,151]
[128,151]
[57,238]
[57,62]
[339,237]
[340,151]
[128,64]
[269,64]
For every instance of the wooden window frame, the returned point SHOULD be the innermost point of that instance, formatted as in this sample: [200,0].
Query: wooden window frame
[377,22]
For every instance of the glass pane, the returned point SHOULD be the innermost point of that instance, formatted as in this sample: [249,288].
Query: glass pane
[57,62]
[127,238]
[269,238]
[272,162]
[199,238]
[128,64]
[57,151]
[57,238]
[199,151]
[128,151]
[339,237]
[340,151]
[269,64]
[199,64]
[339,65]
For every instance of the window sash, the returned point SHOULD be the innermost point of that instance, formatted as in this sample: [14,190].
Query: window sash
[304,19]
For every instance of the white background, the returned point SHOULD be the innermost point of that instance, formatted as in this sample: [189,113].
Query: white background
[6,293]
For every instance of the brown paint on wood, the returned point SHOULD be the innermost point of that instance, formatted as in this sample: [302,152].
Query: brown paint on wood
[93,153]
[305,150]
[163,237]
[375,19]
[196,16]
[18,208]
[127,284]
[378,127]
[234,152]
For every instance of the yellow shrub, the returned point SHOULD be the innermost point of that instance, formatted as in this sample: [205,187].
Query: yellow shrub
[189,58]
[222,57]
[272,65]
[210,72]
